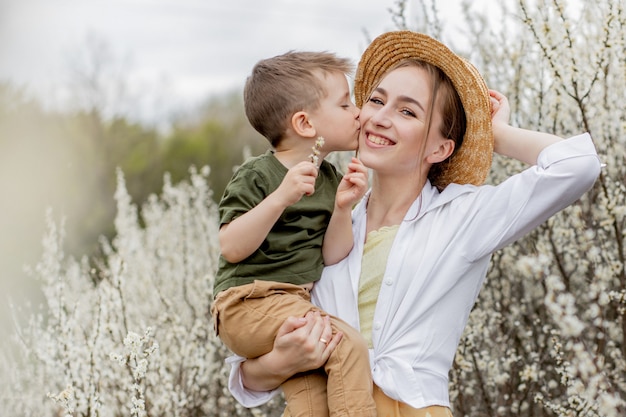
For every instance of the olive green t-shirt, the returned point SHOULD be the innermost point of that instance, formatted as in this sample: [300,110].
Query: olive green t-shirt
[292,251]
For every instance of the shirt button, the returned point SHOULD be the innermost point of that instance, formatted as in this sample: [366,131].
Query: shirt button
[388,281]
[377,325]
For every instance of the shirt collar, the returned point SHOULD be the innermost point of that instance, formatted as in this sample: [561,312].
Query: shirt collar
[429,199]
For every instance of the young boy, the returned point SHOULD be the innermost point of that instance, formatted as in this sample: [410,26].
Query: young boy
[283,218]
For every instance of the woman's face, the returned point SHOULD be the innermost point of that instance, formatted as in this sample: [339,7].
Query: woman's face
[394,124]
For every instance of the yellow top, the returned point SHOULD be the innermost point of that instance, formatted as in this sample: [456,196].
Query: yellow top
[375,253]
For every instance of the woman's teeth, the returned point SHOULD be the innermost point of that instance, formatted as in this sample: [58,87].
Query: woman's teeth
[379,141]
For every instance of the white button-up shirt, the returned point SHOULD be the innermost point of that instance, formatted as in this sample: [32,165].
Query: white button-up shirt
[436,266]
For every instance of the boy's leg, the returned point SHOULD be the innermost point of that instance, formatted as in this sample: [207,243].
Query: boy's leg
[349,386]
[247,320]
[248,317]
[305,394]
[231,323]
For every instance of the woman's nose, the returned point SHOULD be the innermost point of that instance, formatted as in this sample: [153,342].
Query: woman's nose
[381,117]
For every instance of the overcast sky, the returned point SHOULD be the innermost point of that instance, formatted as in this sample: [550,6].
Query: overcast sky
[175,52]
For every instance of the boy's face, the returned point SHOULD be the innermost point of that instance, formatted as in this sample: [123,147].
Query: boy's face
[337,118]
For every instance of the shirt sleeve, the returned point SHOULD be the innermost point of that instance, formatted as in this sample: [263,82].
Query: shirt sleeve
[244,191]
[504,213]
[243,395]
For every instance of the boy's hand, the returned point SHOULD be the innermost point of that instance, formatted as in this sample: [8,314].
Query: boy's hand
[299,181]
[352,186]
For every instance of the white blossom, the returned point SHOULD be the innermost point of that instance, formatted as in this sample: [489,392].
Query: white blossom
[130,333]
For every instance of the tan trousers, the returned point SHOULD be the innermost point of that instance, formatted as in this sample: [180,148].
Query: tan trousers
[386,407]
[247,319]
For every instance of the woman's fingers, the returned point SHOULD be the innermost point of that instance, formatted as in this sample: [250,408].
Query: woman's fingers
[321,338]
[331,345]
[291,324]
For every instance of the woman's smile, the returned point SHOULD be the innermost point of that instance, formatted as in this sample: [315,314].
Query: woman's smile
[379,140]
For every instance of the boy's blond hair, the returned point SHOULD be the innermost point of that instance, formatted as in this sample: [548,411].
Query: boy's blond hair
[285,84]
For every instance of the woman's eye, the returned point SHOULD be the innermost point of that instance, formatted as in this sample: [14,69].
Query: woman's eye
[376,100]
[407,112]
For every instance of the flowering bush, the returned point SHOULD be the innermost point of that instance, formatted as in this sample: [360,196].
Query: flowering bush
[129,334]
[546,336]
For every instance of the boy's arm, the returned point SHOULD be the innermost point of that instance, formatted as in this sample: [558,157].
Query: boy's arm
[521,144]
[338,239]
[241,237]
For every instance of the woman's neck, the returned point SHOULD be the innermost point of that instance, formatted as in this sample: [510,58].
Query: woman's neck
[389,200]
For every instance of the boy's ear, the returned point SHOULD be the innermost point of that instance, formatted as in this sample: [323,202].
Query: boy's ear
[302,125]
[442,152]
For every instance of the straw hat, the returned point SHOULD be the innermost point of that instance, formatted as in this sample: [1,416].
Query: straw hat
[471,163]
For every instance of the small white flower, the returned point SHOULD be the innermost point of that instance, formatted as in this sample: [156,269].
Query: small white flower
[314,156]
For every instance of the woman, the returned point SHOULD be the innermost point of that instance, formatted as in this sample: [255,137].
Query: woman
[425,232]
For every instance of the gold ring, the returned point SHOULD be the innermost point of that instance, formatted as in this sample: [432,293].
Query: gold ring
[324,341]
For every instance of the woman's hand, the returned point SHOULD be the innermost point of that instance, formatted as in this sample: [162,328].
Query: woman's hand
[521,144]
[500,109]
[299,346]
[500,113]
[307,347]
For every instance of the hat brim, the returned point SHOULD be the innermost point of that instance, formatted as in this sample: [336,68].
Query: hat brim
[471,163]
